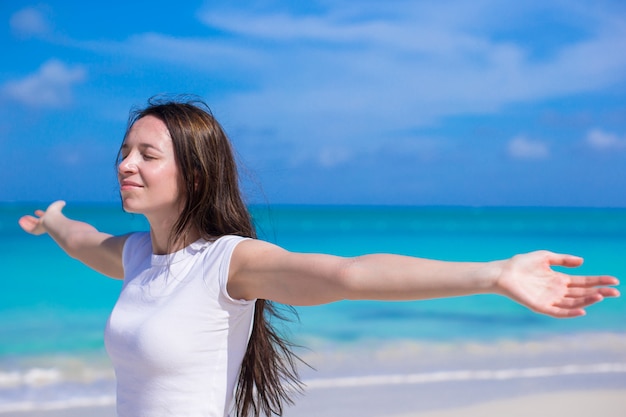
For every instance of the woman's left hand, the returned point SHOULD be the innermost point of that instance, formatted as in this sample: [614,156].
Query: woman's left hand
[530,280]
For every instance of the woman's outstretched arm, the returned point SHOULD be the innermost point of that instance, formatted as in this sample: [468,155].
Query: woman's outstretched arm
[263,270]
[100,251]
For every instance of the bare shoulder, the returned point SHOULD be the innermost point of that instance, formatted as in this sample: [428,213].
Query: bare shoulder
[267,271]
[252,251]
[247,264]
[104,254]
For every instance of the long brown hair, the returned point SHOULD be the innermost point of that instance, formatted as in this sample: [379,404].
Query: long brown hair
[214,206]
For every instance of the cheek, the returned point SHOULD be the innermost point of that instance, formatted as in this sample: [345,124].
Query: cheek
[174,181]
[162,181]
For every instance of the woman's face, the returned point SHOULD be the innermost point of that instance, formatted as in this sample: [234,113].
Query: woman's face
[148,173]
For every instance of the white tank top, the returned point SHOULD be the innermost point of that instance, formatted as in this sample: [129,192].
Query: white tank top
[175,337]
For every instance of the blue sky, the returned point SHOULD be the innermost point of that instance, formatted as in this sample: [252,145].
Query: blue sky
[329,102]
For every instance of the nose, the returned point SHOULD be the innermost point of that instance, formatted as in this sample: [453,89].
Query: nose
[127,165]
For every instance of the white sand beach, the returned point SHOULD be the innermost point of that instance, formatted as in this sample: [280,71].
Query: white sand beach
[606,403]
[572,379]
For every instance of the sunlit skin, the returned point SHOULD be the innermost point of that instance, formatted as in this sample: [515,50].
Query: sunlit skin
[150,185]
[176,167]
[149,178]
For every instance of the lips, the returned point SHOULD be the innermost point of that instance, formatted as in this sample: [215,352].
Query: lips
[129,185]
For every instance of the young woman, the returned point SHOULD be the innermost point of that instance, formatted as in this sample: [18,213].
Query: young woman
[190,333]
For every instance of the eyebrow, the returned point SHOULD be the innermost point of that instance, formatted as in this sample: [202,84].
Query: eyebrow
[142,146]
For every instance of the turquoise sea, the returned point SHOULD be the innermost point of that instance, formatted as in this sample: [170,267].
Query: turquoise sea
[53,309]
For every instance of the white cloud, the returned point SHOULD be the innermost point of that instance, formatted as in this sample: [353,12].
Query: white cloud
[200,53]
[50,86]
[28,22]
[521,147]
[359,70]
[416,64]
[601,140]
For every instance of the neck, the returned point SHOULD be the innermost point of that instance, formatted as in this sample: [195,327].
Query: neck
[161,236]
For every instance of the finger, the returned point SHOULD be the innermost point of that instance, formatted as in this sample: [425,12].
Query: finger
[564,312]
[39,213]
[570,261]
[578,292]
[579,302]
[609,292]
[59,204]
[586,292]
[28,223]
[592,281]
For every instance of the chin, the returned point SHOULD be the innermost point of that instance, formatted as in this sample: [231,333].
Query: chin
[128,208]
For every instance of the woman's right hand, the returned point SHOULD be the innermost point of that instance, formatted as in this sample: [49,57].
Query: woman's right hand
[35,224]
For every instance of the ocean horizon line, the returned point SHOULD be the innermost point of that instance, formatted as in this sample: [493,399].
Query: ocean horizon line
[257,205]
